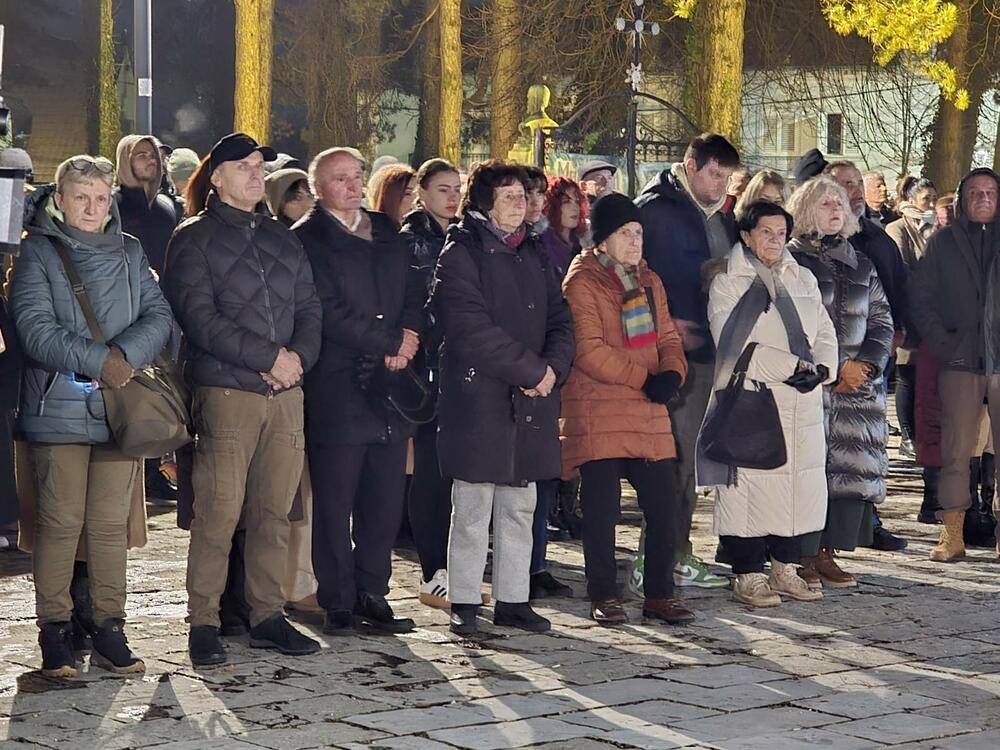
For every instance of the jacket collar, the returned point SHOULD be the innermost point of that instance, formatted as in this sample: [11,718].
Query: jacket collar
[840,250]
[740,265]
[233,216]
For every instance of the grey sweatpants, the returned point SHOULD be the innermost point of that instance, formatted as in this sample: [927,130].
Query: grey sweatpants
[512,510]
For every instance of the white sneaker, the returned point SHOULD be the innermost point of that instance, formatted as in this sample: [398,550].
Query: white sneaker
[785,580]
[753,589]
[434,593]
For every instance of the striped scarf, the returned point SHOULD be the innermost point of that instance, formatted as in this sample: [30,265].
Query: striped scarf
[637,319]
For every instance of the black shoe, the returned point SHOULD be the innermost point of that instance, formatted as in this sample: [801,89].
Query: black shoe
[232,625]
[57,657]
[463,619]
[886,541]
[374,612]
[543,584]
[338,622]
[82,624]
[278,634]
[520,615]
[111,649]
[204,646]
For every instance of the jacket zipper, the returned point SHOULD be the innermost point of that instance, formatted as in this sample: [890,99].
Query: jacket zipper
[45,395]
[263,279]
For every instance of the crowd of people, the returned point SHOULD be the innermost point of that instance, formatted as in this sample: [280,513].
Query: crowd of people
[472,354]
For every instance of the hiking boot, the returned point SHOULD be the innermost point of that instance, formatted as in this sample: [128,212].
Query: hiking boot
[693,571]
[519,615]
[832,575]
[338,622]
[462,620]
[111,649]
[951,545]
[754,589]
[786,582]
[374,612]
[808,573]
[886,541]
[278,634]
[608,612]
[669,611]
[543,584]
[204,646]
[434,593]
[57,656]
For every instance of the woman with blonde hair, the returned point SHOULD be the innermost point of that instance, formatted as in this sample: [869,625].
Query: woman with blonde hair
[857,462]
[767,185]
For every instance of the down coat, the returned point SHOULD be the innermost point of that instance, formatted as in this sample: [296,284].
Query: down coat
[789,500]
[605,413]
[857,462]
[504,318]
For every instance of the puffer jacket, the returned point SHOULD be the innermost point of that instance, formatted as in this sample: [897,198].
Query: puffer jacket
[857,462]
[59,403]
[241,288]
[426,240]
[791,499]
[504,318]
[605,413]
[956,292]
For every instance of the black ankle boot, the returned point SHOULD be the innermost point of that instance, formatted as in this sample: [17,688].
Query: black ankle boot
[463,619]
[57,656]
[111,649]
[987,481]
[520,615]
[929,507]
[204,646]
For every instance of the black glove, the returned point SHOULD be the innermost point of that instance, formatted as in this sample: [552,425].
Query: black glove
[364,369]
[806,380]
[662,388]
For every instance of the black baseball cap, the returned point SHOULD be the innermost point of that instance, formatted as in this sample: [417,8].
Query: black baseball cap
[234,147]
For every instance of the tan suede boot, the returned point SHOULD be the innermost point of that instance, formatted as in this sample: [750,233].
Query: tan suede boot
[951,545]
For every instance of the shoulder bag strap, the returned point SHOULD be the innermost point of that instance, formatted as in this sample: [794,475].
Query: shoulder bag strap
[80,291]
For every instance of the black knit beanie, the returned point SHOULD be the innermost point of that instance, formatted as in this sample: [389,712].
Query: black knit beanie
[609,214]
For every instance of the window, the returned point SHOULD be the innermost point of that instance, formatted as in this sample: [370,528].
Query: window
[788,136]
[835,134]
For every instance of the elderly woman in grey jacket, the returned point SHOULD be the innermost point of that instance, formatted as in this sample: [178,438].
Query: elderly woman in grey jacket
[857,463]
[84,482]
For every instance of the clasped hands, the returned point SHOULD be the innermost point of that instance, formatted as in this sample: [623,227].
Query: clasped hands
[545,385]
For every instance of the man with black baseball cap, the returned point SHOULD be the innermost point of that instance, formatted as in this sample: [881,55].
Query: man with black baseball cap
[242,290]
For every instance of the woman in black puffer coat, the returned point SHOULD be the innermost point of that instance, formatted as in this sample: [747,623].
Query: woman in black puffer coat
[857,462]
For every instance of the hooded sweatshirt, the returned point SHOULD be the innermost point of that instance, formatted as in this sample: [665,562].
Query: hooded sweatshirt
[146,214]
[276,185]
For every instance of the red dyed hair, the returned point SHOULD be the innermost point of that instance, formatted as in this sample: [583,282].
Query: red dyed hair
[556,194]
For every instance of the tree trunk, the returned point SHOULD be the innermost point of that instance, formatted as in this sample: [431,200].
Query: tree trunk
[429,122]
[506,98]
[252,97]
[451,94]
[996,147]
[108,107]
[714,66]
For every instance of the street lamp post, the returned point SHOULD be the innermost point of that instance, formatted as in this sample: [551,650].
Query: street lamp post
[636,26]
[142,35]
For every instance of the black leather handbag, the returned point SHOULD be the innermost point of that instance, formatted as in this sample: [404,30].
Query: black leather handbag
[744,428]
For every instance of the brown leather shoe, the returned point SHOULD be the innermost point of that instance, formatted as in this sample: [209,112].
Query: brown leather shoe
[832,574]
[808,573]
[669,610]
[608,612]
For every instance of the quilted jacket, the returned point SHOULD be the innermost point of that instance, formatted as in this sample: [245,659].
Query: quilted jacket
[241,288]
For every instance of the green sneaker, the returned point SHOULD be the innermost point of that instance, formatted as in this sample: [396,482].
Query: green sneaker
[636,578]
[693,571]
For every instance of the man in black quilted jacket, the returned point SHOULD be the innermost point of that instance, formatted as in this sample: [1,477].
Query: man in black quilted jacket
[242,290]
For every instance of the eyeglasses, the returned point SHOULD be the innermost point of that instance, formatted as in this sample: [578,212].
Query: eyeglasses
[90,164]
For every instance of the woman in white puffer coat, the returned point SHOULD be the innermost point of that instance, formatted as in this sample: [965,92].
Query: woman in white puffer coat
[763,296]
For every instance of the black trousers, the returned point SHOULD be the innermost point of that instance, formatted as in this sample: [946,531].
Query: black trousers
[364,483]
[429,503]
[750,553]
[656,485]
[906,389]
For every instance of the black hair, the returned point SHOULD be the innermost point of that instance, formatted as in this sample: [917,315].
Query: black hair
[752,214]
[708,146]
[487,177]
[536,179]
[433,167]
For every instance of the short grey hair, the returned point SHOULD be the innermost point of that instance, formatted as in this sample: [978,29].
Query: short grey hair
[805,201]
[329,153]
[84,168]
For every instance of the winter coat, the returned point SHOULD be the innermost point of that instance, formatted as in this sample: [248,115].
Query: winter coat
[559,254]
[857,462]
[892,274]
[605,413]
[241,288]
[425,238]
[369,293]
[10,389]
[791,499]
[676,246]
[504,319]
[956,292]
[911,235]
[59,403]
[149,215]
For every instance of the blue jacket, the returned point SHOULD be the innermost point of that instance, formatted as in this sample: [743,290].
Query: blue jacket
[675,245]
[56,407]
